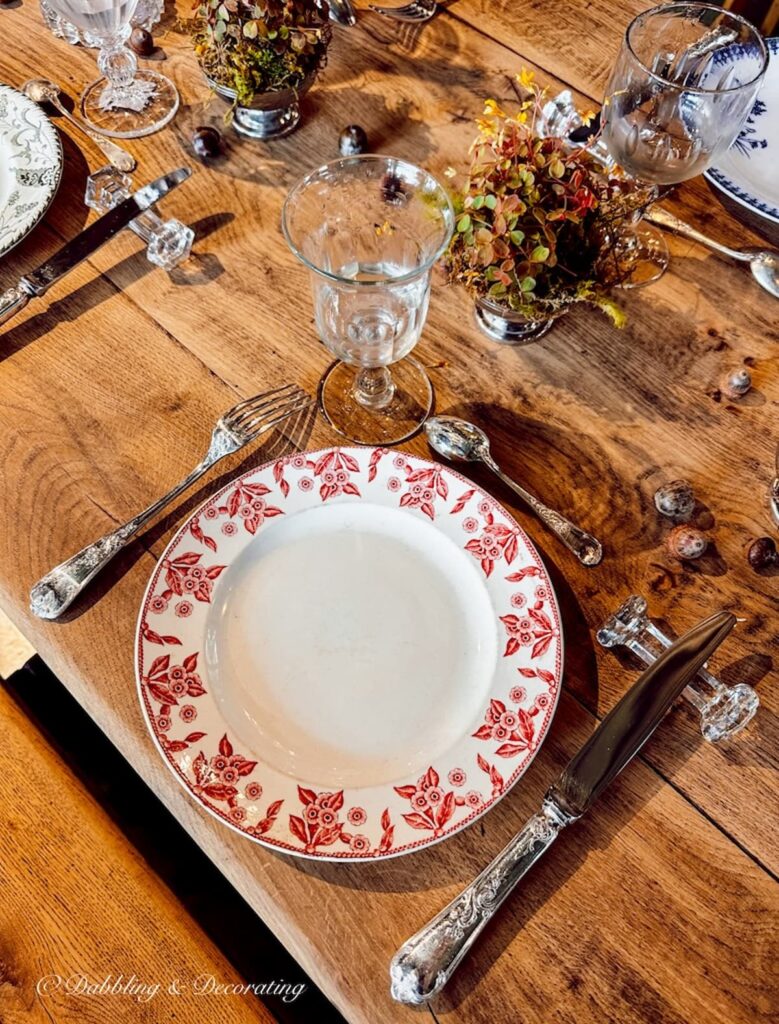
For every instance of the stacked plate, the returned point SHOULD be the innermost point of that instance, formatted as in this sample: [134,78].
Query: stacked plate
[30,166]
[349,654]
[747,174]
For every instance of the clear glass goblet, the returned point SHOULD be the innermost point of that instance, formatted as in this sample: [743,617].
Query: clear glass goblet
[370,228]
[683,85]
[127,102]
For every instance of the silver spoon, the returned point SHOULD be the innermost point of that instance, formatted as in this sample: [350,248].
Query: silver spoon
[764,263]
[40,90]
[461,441]
[343,13]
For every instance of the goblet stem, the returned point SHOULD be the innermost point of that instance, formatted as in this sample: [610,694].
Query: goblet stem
[374,387]
[119,65]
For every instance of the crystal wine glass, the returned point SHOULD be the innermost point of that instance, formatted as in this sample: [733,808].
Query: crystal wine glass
[683,85]
[370,228]
[127,102]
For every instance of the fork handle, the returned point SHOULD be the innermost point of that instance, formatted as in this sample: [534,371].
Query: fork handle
[58,589]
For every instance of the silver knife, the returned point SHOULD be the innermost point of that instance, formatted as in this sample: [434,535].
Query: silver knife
[38,282]
[424,964]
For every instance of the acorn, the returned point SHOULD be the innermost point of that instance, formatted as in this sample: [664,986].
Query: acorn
[141,41]
[352,141]
[675,500]
[206,141]
[738,383]
[685,542]
[762,553]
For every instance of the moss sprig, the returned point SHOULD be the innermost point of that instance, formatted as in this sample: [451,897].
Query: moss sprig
[267,46]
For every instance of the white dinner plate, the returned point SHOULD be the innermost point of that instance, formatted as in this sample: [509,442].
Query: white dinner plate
[349,654]
[748,172]
[30,166]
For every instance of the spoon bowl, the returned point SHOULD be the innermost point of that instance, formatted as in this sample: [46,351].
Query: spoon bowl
[41,90]
[456,439]
[764,265]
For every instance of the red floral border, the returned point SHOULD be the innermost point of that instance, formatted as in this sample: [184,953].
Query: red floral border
[438,832]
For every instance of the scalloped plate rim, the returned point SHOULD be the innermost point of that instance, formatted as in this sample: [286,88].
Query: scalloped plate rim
[346,856]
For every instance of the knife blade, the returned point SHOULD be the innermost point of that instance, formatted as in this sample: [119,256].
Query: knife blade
[38,281]
[425,963]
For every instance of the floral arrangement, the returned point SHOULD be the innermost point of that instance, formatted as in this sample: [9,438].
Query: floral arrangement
[263,46]
[537,221]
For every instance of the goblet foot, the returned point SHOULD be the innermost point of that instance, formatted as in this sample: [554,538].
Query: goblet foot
[143,107]
[645,250]
[395,415]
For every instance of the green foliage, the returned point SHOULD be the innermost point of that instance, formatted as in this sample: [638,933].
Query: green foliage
[259,47]
[538,222]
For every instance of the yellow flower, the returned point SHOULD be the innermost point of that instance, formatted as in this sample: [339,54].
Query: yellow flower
[450,172]
[526,78]
[587,117]
[491,109]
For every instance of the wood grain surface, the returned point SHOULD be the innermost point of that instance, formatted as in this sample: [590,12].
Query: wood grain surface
[108,392]
[78,902]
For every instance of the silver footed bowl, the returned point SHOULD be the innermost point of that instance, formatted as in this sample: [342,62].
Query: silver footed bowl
[270,114]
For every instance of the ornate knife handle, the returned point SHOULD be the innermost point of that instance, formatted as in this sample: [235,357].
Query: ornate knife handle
[424,964]
[13,301]
[586,547]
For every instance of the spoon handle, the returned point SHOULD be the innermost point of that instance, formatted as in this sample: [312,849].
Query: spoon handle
[664,219]
[586,548]
[119,157]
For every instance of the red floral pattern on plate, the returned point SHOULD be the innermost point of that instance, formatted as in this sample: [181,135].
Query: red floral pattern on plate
[513,730]
[185,576]
[365,823]
[496,541]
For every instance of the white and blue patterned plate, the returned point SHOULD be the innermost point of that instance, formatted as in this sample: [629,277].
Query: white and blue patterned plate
[30,166]
[748,171]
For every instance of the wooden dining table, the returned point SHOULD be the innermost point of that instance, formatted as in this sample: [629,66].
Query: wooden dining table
[661,906]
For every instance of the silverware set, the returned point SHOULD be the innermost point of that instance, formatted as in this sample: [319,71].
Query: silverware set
[239,426]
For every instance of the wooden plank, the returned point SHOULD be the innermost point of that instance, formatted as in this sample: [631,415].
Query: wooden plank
[588,397]
[80,903]
[591,418]
[360,913]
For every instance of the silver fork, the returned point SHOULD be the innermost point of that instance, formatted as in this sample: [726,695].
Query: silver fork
[245,422]
[417,10]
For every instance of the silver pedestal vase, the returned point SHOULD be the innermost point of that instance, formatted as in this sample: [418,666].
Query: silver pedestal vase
[502,324]
[270,114]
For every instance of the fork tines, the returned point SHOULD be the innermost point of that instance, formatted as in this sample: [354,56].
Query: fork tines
[417,10]
[265,410]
